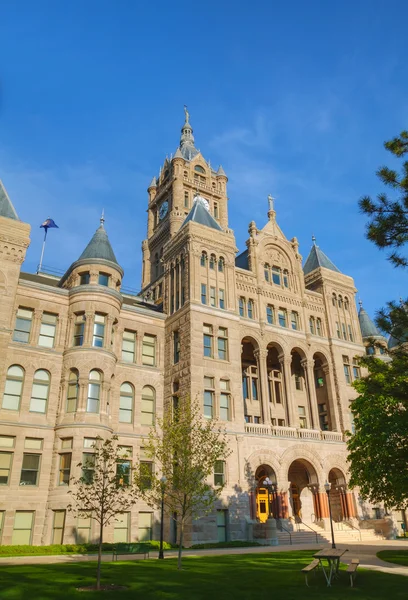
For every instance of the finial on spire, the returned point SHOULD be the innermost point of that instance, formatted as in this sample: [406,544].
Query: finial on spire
[314,239]
[102,219]
[360,303]
[187,115]
[270,201]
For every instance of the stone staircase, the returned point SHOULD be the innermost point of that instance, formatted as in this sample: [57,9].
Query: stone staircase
[343,534]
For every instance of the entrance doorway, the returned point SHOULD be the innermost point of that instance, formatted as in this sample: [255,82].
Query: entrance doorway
[302,476]
[266,502]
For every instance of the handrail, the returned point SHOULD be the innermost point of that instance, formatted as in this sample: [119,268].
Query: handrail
[282,528]
[356,528]
[311,529]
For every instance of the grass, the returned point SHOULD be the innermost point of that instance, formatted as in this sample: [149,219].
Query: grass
[399,557]
[233,577]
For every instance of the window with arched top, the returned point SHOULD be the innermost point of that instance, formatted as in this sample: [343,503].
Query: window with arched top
[126,401]
[340,301]
[203,260]
[199,169]
[148,405]
[334,300]
[185,174]
[221,264]
[40,391]
[213,260]
[72,391]
[346,303]
[94,391]
[14,388]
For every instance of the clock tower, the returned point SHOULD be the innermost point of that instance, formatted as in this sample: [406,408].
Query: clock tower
[171,194]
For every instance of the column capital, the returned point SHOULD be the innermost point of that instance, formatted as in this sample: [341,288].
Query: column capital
[284,359]
[260,353]
[306,363]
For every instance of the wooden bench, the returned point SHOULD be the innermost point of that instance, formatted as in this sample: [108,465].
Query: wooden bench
[352,570]
[309,569]
[120,549]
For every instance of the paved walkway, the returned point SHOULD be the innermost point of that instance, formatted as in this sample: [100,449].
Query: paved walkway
[366,552]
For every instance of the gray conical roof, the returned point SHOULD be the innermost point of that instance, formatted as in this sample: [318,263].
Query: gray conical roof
[367,326]
[153,182]
[6,207]
[221,171]
[187,147]
[199,214]
[316,259]
[99,247]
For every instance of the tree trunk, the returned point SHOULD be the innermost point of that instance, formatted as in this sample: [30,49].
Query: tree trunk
[180,549]
[98,570]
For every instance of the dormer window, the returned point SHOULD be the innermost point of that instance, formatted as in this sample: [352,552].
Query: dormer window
[84,278]
[103,279]
[199,169]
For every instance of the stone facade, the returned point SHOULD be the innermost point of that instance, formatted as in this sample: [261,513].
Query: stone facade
[267,347]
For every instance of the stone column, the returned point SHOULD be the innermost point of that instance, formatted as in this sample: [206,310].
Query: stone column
[260,356]
[35,330]
[351,509]
[285,363]
[108,332]
[324,505]
[331,394]
[284,500]
[311,388]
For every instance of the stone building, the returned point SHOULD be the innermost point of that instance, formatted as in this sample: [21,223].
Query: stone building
[270,347]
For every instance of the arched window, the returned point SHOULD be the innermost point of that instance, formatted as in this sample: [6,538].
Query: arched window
[221,264]
[40,391]
[14,388]
[213,260]
[72,391]
[127,396]
[334,300]
[94,392]
[148,405]
[340,302]
[185,174]
[250,309]
[199,169]
[286,278]
[346,303]
[203,260]
[266,272]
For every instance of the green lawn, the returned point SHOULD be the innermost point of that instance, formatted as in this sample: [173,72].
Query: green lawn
[400,557]
[273,576]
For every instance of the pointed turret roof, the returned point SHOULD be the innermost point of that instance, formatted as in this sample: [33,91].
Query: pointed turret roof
[6,207]
[200,214]
[221,171]
[153,182]
[367,326]
[99,247]
[316,259]
[178,154]
[187,148]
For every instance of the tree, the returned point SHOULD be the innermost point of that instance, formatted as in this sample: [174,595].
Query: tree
[388,227]
[104,489]
[184,448]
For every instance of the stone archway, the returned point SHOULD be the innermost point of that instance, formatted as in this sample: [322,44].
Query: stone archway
[303,480]
[338,500]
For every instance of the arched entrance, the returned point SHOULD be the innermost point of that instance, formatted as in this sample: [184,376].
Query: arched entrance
[338,500]
[303,482]
[266,501]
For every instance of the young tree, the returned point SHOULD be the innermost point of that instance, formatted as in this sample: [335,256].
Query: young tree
[105,488]
[388,227]
[378,449]
[184,447]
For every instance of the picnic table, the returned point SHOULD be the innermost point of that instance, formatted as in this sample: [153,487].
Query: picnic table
[332,556]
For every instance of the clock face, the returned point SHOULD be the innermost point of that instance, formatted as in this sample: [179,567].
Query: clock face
[203,201]
[163,210]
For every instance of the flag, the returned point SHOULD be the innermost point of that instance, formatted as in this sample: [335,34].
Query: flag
[48,223]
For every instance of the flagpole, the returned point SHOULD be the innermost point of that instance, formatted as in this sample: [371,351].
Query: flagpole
[43,248]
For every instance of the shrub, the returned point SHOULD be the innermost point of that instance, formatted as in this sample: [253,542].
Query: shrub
[236,544]
[70,548]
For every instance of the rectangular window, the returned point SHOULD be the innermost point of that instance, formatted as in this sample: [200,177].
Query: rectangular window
[47,330]
[66,444]
[129,346]
[30,469]
[203,293]
[242,307]
[121,528]
[33,443]
[250,309]
[22,328]
[222,525]
[285,279]
[79,329]
[212,296]
[225,401]
[58,527]
[338,330]
[343,327]
[7,441]
[281,422]
[145,526]
[209,397]
[350,334]
[216,210]
[302,417]
[319,327]
[346,367]
[186,203]
[282,317]
[23,526]
[88,467]
[149,350]
[223,343]
[89,442]
[65,468]
[276,275]
[269,314]
[84,278]
[257,420]
[298,382]
[208,341]
[176,347]
[123,472]
[356,369]
[6,459]
[312,325]
[219,472]
[221,298]
[147,471]
[294,319]
[103,279]
[84,527]
[98,331]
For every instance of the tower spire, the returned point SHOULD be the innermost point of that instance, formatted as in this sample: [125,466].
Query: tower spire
[102,219]
[188,150]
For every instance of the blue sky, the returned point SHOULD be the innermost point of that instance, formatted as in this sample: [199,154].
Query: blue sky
[294,99]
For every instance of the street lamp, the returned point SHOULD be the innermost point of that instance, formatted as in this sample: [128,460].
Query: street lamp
[271,487]
[327,487]
[163,488]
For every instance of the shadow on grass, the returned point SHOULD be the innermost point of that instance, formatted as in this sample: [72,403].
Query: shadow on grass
[273,576]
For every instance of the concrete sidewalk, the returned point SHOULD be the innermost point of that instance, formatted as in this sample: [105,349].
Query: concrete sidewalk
[366,552]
